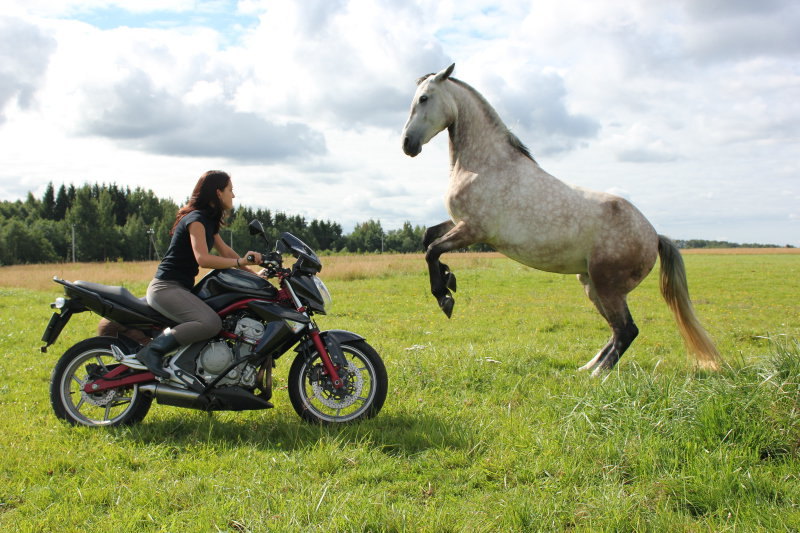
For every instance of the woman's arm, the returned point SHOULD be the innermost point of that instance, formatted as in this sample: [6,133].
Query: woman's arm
[222,247]
[227,258]
[226,251]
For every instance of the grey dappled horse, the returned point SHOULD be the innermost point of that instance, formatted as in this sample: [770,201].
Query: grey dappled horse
[500,196]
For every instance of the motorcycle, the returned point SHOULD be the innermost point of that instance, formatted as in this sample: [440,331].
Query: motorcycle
[335,376]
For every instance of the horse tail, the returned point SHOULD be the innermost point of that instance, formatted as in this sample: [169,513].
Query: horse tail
[675,291]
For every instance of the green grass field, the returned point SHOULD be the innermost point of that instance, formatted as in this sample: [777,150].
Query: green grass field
[487,426]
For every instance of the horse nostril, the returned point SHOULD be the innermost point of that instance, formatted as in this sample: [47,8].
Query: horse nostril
[405,143]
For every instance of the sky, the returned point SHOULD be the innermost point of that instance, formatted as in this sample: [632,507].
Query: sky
[689,108]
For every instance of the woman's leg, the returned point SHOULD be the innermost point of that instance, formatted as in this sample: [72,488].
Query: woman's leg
[196,320]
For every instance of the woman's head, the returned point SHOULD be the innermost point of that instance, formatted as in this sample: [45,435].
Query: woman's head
[205,194]
[210,194]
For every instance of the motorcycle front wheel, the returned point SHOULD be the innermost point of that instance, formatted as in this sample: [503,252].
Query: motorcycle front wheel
[90,359]
[315,398]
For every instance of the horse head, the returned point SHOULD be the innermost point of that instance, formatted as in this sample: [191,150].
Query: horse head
[432,110]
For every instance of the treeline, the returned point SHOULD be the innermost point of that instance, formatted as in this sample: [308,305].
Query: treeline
[700,243]
[111,223]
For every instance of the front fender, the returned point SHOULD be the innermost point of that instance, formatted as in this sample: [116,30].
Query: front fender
[333,340]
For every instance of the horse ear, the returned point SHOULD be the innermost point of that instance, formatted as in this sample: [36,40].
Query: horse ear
[443,75]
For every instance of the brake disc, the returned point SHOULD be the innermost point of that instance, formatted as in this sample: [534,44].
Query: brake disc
[352,384]
[99,399]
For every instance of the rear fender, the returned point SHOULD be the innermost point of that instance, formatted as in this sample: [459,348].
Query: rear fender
[59,320]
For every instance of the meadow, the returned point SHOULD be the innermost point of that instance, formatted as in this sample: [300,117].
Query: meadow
[487,427]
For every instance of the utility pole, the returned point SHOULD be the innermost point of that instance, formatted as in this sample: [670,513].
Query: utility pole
[150,233]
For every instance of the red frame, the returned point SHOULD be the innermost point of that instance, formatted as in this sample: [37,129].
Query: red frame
[107,381]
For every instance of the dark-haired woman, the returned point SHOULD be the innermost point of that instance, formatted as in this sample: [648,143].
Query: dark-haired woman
[195,232]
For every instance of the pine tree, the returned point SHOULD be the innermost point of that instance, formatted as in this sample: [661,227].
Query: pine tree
[48,211]
[62,204]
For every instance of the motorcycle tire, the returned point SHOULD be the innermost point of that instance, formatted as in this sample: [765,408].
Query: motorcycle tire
[112,407]
[365,385]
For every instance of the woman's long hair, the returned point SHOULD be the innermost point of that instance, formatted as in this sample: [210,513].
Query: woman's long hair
[204,198]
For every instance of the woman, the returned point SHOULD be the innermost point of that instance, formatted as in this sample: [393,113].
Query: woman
[195,232]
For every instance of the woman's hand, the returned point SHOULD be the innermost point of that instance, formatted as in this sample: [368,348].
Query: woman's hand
[246,259]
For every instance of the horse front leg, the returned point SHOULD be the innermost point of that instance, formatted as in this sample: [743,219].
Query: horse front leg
[438,240]
[431,234]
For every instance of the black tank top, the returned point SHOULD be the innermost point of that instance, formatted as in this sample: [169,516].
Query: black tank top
[179,263]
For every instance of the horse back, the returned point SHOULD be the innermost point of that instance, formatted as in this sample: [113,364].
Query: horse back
[542,222]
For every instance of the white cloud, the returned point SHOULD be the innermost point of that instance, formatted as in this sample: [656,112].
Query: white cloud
[24,55]
[304,102]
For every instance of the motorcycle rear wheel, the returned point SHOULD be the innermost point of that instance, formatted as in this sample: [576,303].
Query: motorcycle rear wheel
[112,407]
[365,385]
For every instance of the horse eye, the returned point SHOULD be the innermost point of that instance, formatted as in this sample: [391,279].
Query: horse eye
[423,98]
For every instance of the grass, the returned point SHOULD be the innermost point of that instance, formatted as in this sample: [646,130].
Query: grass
[488,427]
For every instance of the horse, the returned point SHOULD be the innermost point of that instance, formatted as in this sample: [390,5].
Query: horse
[500,196]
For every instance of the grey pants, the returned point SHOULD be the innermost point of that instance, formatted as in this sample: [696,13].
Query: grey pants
[196,321]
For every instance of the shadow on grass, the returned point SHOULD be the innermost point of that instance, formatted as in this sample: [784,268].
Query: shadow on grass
[393,434]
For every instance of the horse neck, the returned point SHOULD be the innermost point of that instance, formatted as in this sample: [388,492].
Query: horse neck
[477,135]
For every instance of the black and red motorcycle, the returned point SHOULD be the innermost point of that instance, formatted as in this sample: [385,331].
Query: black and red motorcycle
[335,375]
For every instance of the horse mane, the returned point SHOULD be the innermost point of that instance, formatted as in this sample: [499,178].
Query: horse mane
[494,118]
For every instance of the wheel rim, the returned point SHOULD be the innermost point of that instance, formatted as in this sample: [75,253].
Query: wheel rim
[324,402]
[101,409]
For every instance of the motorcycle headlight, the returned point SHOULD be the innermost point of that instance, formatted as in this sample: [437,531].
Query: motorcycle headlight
[324,292]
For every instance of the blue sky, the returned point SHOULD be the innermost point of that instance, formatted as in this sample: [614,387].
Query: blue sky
[688,108]
[222,16]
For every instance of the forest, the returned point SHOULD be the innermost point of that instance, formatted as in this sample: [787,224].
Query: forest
[102,222]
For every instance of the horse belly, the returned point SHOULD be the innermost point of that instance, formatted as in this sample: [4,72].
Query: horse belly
[538,220]
[556,258]
[554,236]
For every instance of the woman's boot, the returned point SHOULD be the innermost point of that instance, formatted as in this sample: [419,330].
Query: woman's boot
[152,355]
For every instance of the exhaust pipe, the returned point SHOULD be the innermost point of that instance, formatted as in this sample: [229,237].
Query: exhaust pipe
[224,399]
[167,395]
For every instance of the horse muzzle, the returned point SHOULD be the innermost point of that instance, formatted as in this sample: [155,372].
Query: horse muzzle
[411,147]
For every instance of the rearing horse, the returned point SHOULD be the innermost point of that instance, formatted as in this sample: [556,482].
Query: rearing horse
[500,196]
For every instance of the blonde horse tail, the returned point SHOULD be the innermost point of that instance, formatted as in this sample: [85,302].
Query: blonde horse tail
[675,291]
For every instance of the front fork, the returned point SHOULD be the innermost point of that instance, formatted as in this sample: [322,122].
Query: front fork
[313,332]
[330,368]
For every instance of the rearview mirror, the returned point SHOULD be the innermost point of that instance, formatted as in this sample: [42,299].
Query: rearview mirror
[256,227]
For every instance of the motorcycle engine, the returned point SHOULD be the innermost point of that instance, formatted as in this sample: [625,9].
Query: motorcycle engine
[217,356]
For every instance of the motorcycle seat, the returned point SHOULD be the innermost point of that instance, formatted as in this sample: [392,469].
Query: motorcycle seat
[119,295]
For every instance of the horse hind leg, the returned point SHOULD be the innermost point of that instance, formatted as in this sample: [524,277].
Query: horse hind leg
[613,307]
[592,294]
[624,332]
[594,361]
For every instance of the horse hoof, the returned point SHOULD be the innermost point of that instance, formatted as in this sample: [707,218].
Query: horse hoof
[446,303]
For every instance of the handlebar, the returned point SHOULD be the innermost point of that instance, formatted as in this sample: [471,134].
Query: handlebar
[271,263]
[271,259]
